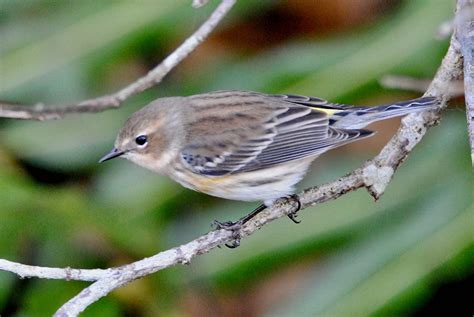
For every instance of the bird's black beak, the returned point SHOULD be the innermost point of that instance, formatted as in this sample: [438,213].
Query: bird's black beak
[112,154]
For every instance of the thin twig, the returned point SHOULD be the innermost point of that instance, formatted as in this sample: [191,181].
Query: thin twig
[408,83]
[414,126]
[375,175]
[46,112]
[68,274]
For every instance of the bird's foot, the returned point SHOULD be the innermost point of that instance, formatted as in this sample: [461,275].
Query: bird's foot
[227,225]
[233,226]
[294,213]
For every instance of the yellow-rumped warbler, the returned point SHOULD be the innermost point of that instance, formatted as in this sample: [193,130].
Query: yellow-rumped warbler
[244,145]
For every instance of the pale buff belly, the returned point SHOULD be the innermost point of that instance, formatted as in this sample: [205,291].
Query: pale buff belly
[264,185]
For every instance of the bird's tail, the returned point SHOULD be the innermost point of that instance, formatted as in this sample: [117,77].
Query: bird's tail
[358,117]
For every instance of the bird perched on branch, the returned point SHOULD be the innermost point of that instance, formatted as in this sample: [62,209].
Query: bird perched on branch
[244,145]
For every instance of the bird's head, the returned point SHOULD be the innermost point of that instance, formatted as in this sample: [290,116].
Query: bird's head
[144,139]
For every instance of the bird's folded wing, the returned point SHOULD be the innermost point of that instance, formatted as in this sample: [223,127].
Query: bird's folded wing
[243,139]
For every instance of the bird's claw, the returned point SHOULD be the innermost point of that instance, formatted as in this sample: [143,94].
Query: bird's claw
[227,225]
[294,213]
[234,244]
[235,227]
[232,226]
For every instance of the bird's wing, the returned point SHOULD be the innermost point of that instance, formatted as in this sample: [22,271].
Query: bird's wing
[311,102]
[253,131]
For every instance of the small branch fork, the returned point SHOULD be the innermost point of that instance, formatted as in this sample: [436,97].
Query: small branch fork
[47,112]
[374,175]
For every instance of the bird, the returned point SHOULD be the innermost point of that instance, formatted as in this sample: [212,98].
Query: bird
[244,145]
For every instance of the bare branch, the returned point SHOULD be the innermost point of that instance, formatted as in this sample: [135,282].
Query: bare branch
[375,175]
[456,88]
[405,83]
[43,112]
[465,35]
[120,276]
[413,127]
[26,271]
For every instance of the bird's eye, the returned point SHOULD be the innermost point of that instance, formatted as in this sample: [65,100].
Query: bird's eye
[141,140]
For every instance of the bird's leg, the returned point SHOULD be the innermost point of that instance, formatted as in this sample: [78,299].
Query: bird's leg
[235,226]
[294,213]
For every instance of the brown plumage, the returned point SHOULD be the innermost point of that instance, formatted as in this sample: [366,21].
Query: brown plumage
[244,145]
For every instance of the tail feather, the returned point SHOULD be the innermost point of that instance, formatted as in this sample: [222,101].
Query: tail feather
[359,117]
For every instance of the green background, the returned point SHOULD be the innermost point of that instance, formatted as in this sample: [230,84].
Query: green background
[349,257]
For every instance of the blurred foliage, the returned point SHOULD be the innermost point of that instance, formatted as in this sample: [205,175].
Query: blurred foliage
[348,257]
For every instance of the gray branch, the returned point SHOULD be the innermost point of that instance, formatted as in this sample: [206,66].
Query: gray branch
[456,88]
[40,111]
[374,175]
[68,274]
[465,35]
